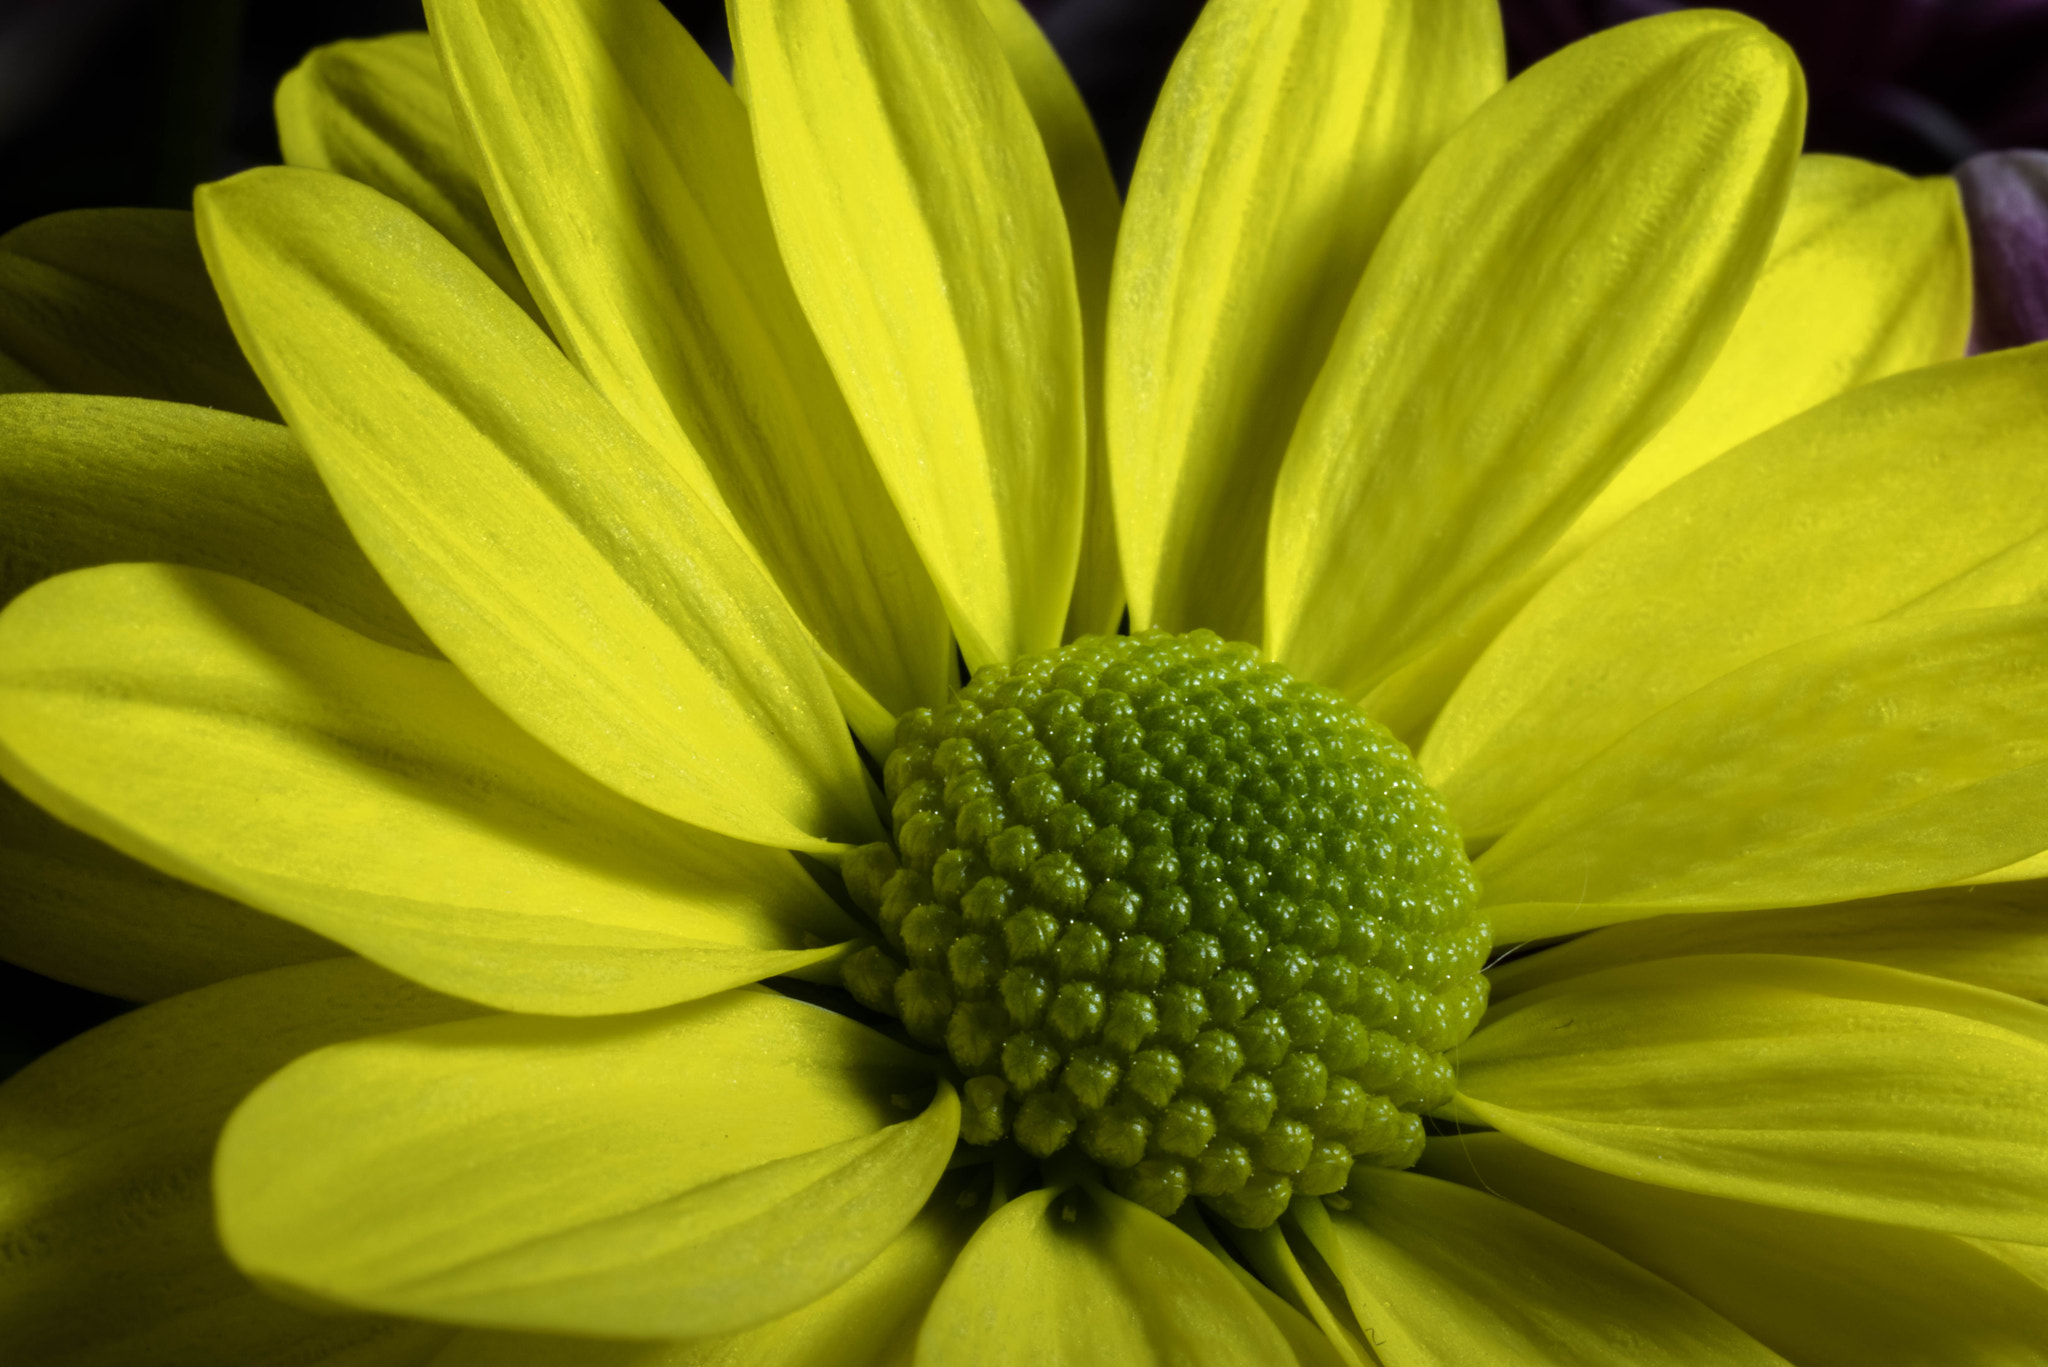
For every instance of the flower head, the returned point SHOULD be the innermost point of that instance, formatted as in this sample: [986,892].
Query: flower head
[1611,538]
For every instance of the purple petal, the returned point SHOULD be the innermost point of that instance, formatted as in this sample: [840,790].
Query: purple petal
[2005,199]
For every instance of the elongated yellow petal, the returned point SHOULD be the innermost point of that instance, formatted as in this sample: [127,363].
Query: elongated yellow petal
[1898,497]
[1815,1084]
[116,301]
[1441,1276]
[376,110]
[106,1213]
[694,1170]
[621,167]
[84,913]
[1550,293]
[1869,275]
[228,737]
[870,1321]
[1309,1286]
[566,566]
[1082,1277]
[1285,137]
[1821,1291]
[88,480]
[1995,937]
[1088,197]
[1902,755]
[922,228]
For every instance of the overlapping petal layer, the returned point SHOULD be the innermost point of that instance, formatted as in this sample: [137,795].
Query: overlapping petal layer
[1873,760]
[1284,139]
[694,1170]
[1549,293]
[566,566]
[116,301]
[1441,1276]
[1820,1085]
[229,737]
[620,165]
[918,216]
[1820,1290]
[1081,1276]
[1869,275]
[377,110]
[1923,483]
[106,1211]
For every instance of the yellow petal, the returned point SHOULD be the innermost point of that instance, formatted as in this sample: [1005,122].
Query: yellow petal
[88,480]
[106,1214]
[376,110]
[1897,497]
[566,566]
[1285,137]
[1551,291]
[1815,1084]
[1869,274]
[620,165]
[1879,759]
[1309,1286]
[1995,937]
[84,913]
[693,1170]
[917,212]
[1441,1276]
[116,301]
[1088,197]
[230,738]
[870,1321]
[1078,1276]
[1822,1291]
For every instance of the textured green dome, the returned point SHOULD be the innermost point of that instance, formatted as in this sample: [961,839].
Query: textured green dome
[1162,900]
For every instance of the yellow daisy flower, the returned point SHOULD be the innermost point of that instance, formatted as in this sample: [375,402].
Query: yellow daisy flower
[1621,546]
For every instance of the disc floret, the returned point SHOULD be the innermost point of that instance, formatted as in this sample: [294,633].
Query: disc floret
[1169,903]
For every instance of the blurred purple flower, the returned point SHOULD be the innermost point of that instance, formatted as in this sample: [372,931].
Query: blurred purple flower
[2005,198]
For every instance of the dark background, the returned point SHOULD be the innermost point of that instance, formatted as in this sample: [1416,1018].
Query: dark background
[106,102]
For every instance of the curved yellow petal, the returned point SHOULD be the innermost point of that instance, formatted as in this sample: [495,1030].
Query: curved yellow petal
[1869,274]
[1442,1276]
[1995,937]
[562,563]
[1902,755]
[1916,494]
[116,301]
[1314,1296]
[377,110]
[1286,136]
[622,170]
[869,1321]
[89,480]
[1088,197]
[1551,291]
[693,1170]
[1079,1276]
[84,913]
[228,737]
[1824,1292]
[106,1214]
[917,213]
[1819,1085]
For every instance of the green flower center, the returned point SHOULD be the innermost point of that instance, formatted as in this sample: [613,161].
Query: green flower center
[1162,900]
